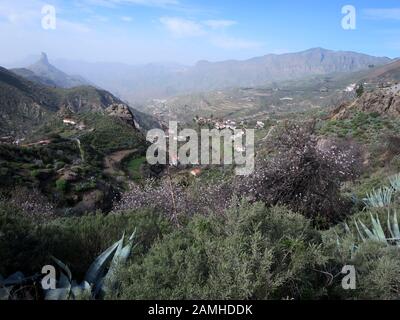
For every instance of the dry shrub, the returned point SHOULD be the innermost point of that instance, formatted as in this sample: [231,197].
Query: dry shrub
[304,174]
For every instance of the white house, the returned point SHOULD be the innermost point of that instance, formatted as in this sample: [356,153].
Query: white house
[69,121]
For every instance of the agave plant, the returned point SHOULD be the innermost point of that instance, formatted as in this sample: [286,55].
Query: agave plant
[395,182]
[17,279]
[376,233]
[100,277]
[379,198]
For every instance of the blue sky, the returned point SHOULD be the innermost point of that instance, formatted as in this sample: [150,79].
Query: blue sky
[185,31]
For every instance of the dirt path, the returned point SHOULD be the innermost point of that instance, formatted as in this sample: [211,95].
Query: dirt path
[112,161]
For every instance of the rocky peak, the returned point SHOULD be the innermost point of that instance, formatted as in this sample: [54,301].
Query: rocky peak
[43,58]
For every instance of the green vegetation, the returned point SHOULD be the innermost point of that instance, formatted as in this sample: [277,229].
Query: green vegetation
[134,167]
[323,195]
[360,90]
[363,127]
[110,134]
[61,185]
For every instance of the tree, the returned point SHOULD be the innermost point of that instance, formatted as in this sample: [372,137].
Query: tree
[360,90]
[305,174]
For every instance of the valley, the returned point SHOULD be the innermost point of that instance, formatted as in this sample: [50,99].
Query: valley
[74,178]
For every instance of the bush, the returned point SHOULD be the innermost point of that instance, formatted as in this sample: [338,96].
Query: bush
[251,253]
[27,244]
[61,185]
[377,267]
[305,174]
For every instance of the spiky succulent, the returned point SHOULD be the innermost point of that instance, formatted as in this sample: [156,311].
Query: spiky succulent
[99,279]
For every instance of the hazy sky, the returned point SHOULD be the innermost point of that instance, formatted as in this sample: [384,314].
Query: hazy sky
[185,31]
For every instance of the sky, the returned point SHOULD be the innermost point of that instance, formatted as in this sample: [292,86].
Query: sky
[186,31]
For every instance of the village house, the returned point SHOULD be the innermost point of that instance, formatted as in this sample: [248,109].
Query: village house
[69,121]
[260,125]
[196,172]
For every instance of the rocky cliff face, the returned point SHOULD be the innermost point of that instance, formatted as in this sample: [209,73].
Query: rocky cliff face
[122,112]
[383,101]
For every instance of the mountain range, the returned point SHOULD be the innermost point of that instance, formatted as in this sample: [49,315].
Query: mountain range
[139,83]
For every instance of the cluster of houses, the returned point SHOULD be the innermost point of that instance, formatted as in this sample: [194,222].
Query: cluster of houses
[225,124]
[20,142]
[80,126]
[11,140]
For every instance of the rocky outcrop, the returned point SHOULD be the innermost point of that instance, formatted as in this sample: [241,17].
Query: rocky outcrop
[383,102]
[122,112]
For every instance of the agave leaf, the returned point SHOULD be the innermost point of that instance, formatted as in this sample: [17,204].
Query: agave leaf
[64,268]
[64,282]
[395,182]
[368,232]
[121,256]
[377,229]
[126,251]
[5,293]
[97,268]
[359,231]
[79,290]
[115,259]
[395,224]
[16,278]
[58,294]
[389,225]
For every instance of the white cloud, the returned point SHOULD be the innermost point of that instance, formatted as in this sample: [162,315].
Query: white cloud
[219,24]
[179,27]
[127,19]
[382,14]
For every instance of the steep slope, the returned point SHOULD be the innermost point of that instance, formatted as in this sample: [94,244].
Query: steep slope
[382,101]
[386,73]
[46,74]
[25,105]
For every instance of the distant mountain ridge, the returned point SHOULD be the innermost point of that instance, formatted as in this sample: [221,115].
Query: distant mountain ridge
[45,73]
[139,83]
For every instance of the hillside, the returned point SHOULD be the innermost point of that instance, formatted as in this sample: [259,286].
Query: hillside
[58,141]
[382,101]
[25,105]
[274,100]
[389,72]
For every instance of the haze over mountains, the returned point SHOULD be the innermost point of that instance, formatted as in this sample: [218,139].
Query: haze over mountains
[45,73]
[139,83]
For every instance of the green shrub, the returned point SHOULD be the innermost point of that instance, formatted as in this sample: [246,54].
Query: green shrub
[61,185]
[27,244]
[253,252]
[377,267]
